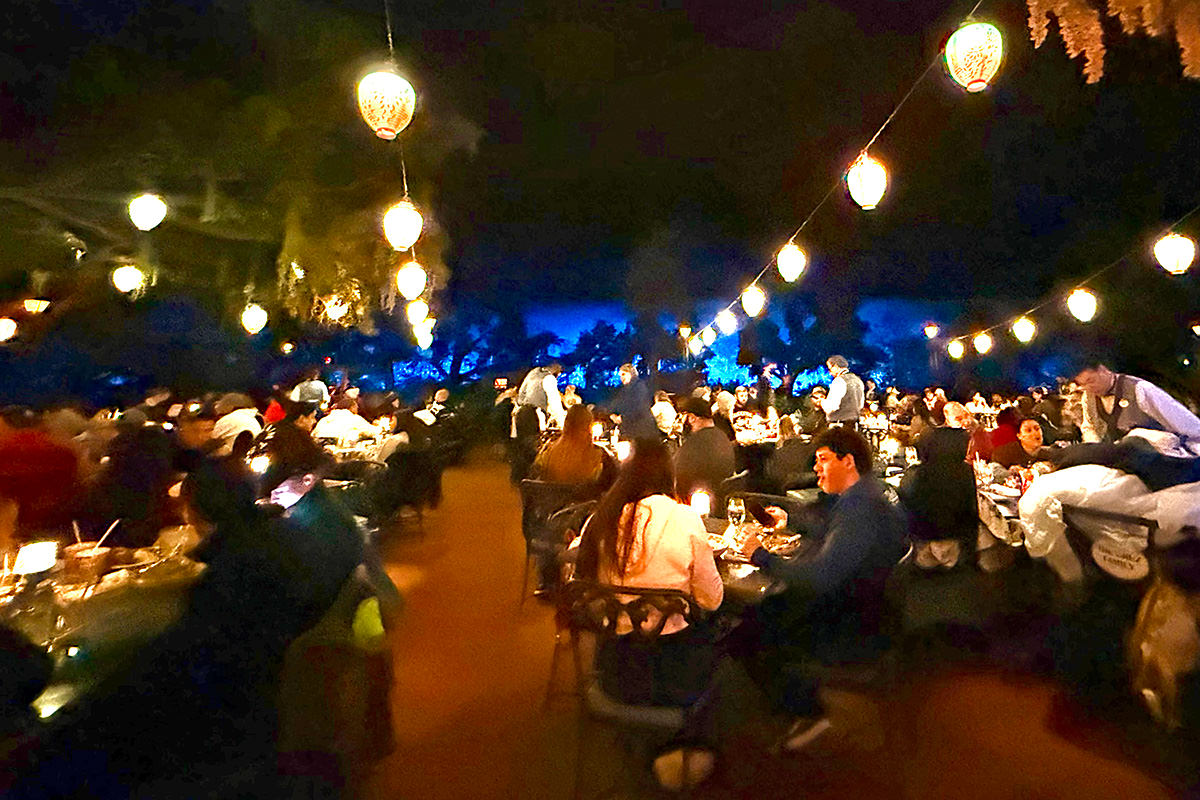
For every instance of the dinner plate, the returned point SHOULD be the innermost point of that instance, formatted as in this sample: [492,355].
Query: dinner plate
[1000,490]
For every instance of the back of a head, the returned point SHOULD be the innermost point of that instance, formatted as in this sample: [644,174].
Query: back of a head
[787,428]
[220,492]
[1008,417]
[837,362]
[577,426]
[297,409]
[943,446]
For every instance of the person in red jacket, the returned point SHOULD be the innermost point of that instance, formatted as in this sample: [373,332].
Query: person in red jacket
[36,472]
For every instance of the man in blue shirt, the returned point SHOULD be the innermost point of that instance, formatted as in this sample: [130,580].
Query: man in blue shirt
[832,609]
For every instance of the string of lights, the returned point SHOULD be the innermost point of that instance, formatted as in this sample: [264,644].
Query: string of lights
[1173,251]
[972,55]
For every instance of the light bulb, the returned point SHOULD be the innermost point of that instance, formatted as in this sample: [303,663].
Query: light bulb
[8,328]
[932,330]
[402,225]
[416,311]
[695,345]
[754,300]
[336,308]
[128,278]
[727,322]
[146,211]
[1082,305]
[1024,329]
[791,262]
[982,342]
[1175,253]
[36,305]
[708,336]
[867,181]
[254,318]
[956,349]
[411,280]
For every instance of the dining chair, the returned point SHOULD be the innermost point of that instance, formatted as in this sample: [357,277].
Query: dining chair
[597,611]
[540,501]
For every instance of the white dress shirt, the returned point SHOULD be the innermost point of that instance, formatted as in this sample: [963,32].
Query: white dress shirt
[344,425]
[664,415]
[554,403]
[837,390]
[1157,404]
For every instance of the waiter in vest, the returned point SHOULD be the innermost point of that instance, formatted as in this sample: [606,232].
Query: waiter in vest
[539,393]
[1114,404]
[845,400]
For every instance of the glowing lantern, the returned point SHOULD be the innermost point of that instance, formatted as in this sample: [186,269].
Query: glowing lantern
[973,55]
[624,450]
[1196,329]
[726,322]
[867,181]
[260,464]
[402,225]
[1082,305]
[146,211]
[982,342]
[932,330]
[424,338]
[1024,329]
[1175,253]
[8,328]
[336,308]
[695,345]
[597,430]
[417,311]
[286,348]
[685,330]
[956,349]
[701,502]
[790,261]
[410,280]
[35,557]
[128,279]
[708,336]
[254,318]
[386,102]
[36,305]
[754,300]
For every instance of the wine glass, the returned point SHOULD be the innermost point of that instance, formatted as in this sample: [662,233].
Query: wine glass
[736,511]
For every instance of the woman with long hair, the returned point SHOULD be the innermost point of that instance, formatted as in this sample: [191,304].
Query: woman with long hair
[640,535]
[573,458]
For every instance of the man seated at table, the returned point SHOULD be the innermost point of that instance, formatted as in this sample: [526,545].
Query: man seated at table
[1026,450]
[290,447]
[344,424]
[831,611]
[705,458]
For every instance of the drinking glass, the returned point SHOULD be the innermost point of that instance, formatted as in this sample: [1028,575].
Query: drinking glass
[910,455]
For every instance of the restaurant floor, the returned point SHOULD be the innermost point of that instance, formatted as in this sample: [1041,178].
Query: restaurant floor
[471,669]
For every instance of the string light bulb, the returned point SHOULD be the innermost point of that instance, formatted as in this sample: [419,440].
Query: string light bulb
[416,311]
[1175,253]
[146,211]
[982,342]
[708,336]
[754,300]
[867,181]
[336,308]
[1082,304]
[287,347]
[254,318]
[685,330]
[411,280]
[8,329]
[402,225]
[726,322]
[1024,329]
[386,102]
[932,330]
[128,278]
[791,262]
[973,55]
[695,346]
[36,305]
[956,349]
[1196,328]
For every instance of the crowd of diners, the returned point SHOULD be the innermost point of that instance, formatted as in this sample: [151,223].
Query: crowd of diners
[285,526]
[646,455]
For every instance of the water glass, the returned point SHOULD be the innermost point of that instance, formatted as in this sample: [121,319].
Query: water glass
[736,511]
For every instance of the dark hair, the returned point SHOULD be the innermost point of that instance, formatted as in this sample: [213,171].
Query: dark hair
[1008,416]
[648,472]
[843,441]
[297,409]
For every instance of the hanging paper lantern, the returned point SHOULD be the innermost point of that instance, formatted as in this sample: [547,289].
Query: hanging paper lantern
[973,55]
[254,318]
[754,300]
[867,181]
[417,311]
[410,280]
[932,330]
[685,330]
[708,336]
[956,349]
[423,332]
[36,305]
[402,225]
[1175,253]
[695,345]
[982,342]
[386,102]
[8,328]
[128,279]
[146,211]
[726,322]
[1024,329]
[1082,305]
[790,261]
[1196,328]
